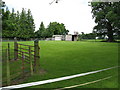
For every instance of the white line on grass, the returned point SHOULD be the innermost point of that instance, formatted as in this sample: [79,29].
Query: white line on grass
[84,83]
[53,80]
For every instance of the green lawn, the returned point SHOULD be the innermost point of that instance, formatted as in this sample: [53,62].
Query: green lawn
[64,58]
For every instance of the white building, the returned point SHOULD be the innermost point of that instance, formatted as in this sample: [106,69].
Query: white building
[58,37]
[65,37]
[68,37]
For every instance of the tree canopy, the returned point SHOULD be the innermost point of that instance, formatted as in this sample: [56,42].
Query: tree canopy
[18,24]
[54,28]
[41,32]
[107,18]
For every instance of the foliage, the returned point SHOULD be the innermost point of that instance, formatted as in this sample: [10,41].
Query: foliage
[87,36]
[26,26]
[107,18]
[54,28]
[18,24]
[41,32]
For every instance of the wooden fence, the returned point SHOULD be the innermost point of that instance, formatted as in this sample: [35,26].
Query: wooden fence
[28,54]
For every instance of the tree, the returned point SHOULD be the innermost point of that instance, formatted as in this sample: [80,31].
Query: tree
[107,17]
[41,32]
[22,32]
[82,36]
[26,26]
[30,24]
[19,25]
[6,23]
[55,28]
[12,24]
[7,20]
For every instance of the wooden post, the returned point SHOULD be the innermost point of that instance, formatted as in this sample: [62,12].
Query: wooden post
[31,64]
[8,70]
[20,53]
[23,63]
[8,51]
[15,49]
[36,56]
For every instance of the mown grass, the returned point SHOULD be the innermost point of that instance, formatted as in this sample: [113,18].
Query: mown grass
[63,58]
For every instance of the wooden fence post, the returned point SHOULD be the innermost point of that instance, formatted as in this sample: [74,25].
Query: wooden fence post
[23,63]
[36,56]
[8,51]
[15,49]
[8,69]
[31,64]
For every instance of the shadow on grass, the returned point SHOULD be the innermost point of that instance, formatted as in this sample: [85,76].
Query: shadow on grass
[111,42]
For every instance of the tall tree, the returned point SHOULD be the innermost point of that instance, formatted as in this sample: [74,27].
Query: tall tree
[30,24]
[107,18]
[17,24]
[6,23]
[12,23]
[22,32]
[26,25]
[41,31]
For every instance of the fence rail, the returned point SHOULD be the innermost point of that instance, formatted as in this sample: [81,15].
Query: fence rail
[25,45]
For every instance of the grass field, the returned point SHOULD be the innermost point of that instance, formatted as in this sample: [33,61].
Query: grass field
[64,58]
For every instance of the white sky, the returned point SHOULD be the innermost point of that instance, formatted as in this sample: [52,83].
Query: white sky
[75,14]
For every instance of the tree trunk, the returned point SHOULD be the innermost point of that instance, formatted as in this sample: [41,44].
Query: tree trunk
[110,33]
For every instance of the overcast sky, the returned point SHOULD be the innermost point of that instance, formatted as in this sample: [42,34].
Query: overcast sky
[75,14]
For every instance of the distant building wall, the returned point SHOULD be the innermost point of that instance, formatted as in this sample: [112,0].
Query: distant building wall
[68,37]
[57,37]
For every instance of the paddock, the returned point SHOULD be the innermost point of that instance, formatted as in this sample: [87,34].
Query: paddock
[64,58]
